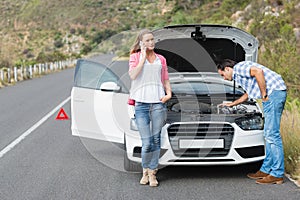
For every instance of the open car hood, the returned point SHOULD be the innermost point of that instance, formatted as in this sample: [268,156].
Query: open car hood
[198,48]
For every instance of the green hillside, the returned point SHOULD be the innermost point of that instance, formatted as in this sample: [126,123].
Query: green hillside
[41,30]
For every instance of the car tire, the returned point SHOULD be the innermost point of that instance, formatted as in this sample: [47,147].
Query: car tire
[129,165]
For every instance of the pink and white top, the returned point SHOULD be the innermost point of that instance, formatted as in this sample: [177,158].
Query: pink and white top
[148,87]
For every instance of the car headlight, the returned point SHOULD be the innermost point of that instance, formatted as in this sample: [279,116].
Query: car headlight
[254,122]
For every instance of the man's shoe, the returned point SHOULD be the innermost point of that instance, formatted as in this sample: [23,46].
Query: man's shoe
[258,175]
[270,180]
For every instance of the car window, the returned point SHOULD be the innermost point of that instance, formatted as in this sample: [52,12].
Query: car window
[91,75]
[203,88]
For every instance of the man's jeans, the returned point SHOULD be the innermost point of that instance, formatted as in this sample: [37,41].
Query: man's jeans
[274,162]
[150,132]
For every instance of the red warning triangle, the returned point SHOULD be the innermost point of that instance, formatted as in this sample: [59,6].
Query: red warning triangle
[62,115]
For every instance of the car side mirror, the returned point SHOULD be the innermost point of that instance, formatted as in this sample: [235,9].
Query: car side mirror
[110,87]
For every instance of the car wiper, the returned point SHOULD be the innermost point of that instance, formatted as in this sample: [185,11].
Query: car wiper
[188,94]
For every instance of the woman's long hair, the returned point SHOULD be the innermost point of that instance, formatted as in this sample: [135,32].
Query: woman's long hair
[136,45]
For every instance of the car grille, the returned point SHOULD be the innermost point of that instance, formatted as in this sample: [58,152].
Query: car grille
[203,132]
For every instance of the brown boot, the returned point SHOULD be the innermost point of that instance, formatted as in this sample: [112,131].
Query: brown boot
[152,178]
[257,175]
[145,179]
[270,180]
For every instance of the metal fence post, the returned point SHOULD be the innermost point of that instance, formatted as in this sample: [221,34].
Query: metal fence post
[26,71]
[33,70]
[1,75]
[30,71]
[8,75]
[46,67]
[15,74]
[22,72]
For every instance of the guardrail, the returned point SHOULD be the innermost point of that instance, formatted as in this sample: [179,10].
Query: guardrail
[12,75]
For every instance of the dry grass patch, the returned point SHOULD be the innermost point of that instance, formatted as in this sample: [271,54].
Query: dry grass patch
[290,131]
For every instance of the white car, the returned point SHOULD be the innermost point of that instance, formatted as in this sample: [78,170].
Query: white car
[198,131]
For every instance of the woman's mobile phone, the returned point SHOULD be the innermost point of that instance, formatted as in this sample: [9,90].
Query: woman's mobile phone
[141,44]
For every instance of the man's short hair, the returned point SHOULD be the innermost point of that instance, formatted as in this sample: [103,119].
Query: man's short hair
[225,63]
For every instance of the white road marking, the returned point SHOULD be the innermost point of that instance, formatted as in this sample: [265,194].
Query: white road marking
[31,129]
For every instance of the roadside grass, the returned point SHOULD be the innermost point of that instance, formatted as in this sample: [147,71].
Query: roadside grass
[290,132]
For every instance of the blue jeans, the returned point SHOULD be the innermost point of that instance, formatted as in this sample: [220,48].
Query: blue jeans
[274,162]
[150,132]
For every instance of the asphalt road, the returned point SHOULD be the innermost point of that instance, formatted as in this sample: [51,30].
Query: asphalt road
[52,164]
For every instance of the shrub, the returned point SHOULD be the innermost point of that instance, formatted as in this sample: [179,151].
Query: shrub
[58,43]
[85,49]
[50,57]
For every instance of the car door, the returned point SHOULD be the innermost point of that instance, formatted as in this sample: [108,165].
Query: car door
[99,102]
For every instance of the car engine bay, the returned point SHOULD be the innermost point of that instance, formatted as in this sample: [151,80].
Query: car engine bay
[190,109]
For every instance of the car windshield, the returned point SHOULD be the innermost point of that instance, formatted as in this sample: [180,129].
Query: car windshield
[203,88]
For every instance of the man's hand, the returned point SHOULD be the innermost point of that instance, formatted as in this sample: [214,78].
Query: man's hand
[228,104]
[265,99]
[240,100]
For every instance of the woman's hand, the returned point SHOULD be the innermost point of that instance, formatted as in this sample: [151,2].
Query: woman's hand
[143,50]
[168,90]
[165,98]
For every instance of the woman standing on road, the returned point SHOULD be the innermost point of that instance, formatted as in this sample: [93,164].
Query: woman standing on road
[150,89]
